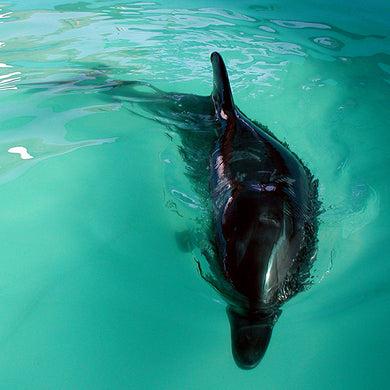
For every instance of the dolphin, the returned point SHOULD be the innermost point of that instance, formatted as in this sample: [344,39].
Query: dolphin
[264,204]
[264,209]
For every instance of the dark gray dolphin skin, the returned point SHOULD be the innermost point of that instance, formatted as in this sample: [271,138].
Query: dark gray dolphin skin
[262,198]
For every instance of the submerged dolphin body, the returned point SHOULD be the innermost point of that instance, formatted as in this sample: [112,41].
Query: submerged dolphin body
[263,199]
[264,202]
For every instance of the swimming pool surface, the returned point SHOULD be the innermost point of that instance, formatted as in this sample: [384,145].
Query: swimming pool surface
[99,287]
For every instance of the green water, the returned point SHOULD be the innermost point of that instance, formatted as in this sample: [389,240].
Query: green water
[95,292]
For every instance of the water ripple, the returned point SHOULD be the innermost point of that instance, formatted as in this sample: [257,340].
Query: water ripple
[138,38]
[300,24]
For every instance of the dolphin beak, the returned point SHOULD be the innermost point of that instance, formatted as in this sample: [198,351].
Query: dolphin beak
[251,334]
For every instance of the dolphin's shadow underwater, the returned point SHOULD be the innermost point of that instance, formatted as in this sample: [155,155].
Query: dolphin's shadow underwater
[262,201]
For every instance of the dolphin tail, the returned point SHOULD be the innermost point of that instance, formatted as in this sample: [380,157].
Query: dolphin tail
[222,93]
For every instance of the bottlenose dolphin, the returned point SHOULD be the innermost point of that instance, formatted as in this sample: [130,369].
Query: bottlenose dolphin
[264,204]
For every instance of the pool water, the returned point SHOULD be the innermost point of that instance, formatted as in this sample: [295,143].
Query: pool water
[99,285]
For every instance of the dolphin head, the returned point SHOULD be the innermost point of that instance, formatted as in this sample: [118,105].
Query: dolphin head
[250,334]
[255,237]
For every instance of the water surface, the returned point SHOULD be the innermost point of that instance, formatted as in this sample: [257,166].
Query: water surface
[97,288]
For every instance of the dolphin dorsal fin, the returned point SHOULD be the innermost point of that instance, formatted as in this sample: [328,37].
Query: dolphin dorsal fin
[222,93]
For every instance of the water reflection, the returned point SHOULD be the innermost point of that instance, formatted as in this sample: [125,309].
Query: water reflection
[144,39]
[24,155]
[13,168]
[9,80]
[329,43]
[300,24]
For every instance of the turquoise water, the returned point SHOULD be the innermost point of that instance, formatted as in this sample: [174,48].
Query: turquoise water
[97,291]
